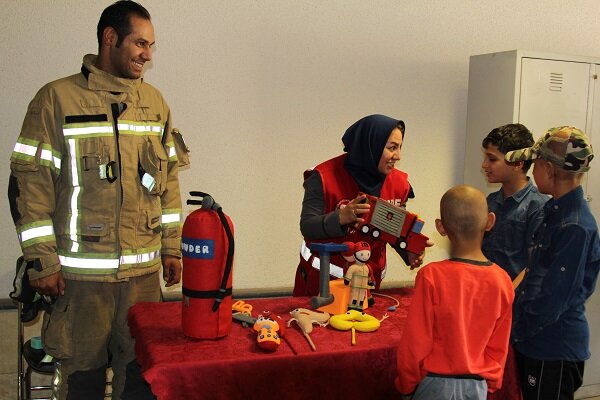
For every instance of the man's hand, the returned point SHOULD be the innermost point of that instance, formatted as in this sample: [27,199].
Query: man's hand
[51,285]
[171,270]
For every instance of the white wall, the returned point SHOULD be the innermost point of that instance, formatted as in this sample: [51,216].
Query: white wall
[264,89]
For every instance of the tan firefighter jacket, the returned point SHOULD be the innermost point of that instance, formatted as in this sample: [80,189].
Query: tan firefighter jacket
[94,188]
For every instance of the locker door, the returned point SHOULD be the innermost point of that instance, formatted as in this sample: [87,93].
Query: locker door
[553,93]
[592,185]
[591,375]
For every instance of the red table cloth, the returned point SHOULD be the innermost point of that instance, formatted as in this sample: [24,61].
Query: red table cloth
[234,367]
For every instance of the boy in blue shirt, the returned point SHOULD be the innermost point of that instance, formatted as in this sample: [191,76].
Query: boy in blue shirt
[517,204]
[550,332]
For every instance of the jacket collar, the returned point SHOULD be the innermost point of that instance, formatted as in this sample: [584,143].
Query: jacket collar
[568,199]
[518,196]
[100,80]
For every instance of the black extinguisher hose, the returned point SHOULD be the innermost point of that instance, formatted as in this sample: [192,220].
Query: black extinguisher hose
[228,262]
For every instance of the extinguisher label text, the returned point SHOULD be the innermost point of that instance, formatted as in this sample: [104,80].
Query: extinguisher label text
[198,248]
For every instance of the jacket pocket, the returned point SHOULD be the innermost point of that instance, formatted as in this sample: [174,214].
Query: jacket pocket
[93,159]
[94,232]
[152,168]
[149,229]
[181,148]
[154,221]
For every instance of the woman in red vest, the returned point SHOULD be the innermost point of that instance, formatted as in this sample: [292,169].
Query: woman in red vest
[332,205]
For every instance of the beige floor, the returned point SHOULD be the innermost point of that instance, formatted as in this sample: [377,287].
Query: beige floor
[8,388]
[8,348]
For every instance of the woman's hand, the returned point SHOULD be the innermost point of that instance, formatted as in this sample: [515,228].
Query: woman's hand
[350,213]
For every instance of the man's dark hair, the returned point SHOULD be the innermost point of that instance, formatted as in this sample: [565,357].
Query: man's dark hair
[117,17]
[508,138]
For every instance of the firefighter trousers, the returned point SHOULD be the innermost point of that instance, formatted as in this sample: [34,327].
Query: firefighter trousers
[87,331]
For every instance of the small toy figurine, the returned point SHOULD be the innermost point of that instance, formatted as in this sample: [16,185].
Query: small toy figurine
[268,336]
[358,276]
[305,319]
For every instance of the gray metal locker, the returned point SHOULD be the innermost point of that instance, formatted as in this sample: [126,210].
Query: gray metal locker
[539,90]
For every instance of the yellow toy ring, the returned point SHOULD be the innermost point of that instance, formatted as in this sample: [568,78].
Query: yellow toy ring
[360,321]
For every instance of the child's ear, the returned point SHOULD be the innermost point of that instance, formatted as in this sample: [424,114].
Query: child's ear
[551,170]
[491,221]
[519,165]
[440,227]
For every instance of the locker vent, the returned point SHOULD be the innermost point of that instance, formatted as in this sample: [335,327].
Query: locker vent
[556,81]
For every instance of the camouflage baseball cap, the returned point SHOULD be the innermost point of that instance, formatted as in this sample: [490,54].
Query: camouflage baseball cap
[564,146]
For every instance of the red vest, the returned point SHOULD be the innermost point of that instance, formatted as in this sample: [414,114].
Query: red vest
[340,187]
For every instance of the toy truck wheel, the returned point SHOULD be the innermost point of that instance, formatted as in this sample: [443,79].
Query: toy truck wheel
[365,229]
[402,244]
[375,233]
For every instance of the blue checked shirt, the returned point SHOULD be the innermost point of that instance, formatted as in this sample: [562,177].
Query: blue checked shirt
[517,219]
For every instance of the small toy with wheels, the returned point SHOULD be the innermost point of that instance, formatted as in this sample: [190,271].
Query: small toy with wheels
[268,337]
[394,225]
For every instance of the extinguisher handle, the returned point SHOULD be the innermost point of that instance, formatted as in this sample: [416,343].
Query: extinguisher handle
[207,202]
[196,193]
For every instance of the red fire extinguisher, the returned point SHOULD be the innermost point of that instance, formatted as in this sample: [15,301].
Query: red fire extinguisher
[207,250]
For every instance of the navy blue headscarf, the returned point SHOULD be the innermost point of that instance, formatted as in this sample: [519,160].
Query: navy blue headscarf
[364,142]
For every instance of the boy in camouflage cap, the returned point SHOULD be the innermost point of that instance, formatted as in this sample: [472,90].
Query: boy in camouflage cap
[565,146]
[550,333]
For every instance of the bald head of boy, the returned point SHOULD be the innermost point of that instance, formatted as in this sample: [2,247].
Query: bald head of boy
[464,215]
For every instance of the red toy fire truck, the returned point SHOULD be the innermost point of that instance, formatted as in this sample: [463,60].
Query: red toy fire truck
[394,225]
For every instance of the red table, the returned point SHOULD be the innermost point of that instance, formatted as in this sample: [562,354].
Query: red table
[234,367]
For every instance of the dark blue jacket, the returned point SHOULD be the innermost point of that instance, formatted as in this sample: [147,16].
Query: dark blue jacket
[549,320]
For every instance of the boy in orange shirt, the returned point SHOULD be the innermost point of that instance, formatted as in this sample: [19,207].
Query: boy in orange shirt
[456,338]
